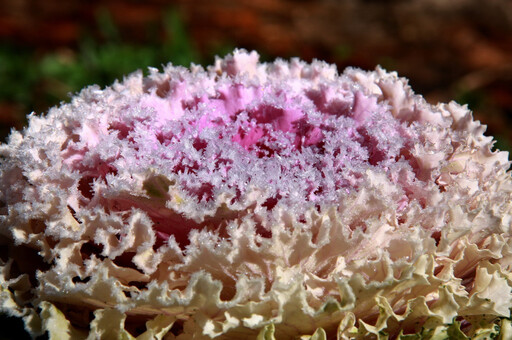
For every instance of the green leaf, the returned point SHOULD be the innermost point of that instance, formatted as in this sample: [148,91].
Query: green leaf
[267,333]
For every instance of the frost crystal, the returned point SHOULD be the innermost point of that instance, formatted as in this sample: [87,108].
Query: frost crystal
[253,200]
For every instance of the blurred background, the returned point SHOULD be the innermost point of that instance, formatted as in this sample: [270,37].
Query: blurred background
[457,49]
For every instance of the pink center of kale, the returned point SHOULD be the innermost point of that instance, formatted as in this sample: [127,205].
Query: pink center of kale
[301,145]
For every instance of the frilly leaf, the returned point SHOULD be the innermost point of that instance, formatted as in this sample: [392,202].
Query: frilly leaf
[56,324]
[109,324]
[267,333]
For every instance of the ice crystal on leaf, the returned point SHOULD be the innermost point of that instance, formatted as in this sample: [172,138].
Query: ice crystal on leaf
[254,200]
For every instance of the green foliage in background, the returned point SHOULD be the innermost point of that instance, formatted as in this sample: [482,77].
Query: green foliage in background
[36,81]
[478,100]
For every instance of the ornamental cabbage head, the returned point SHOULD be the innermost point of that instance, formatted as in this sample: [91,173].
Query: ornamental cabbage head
[256,200]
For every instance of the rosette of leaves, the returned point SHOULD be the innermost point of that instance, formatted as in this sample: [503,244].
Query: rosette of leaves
[256,200]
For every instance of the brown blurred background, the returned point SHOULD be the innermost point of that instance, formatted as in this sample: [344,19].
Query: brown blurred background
[457,49]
